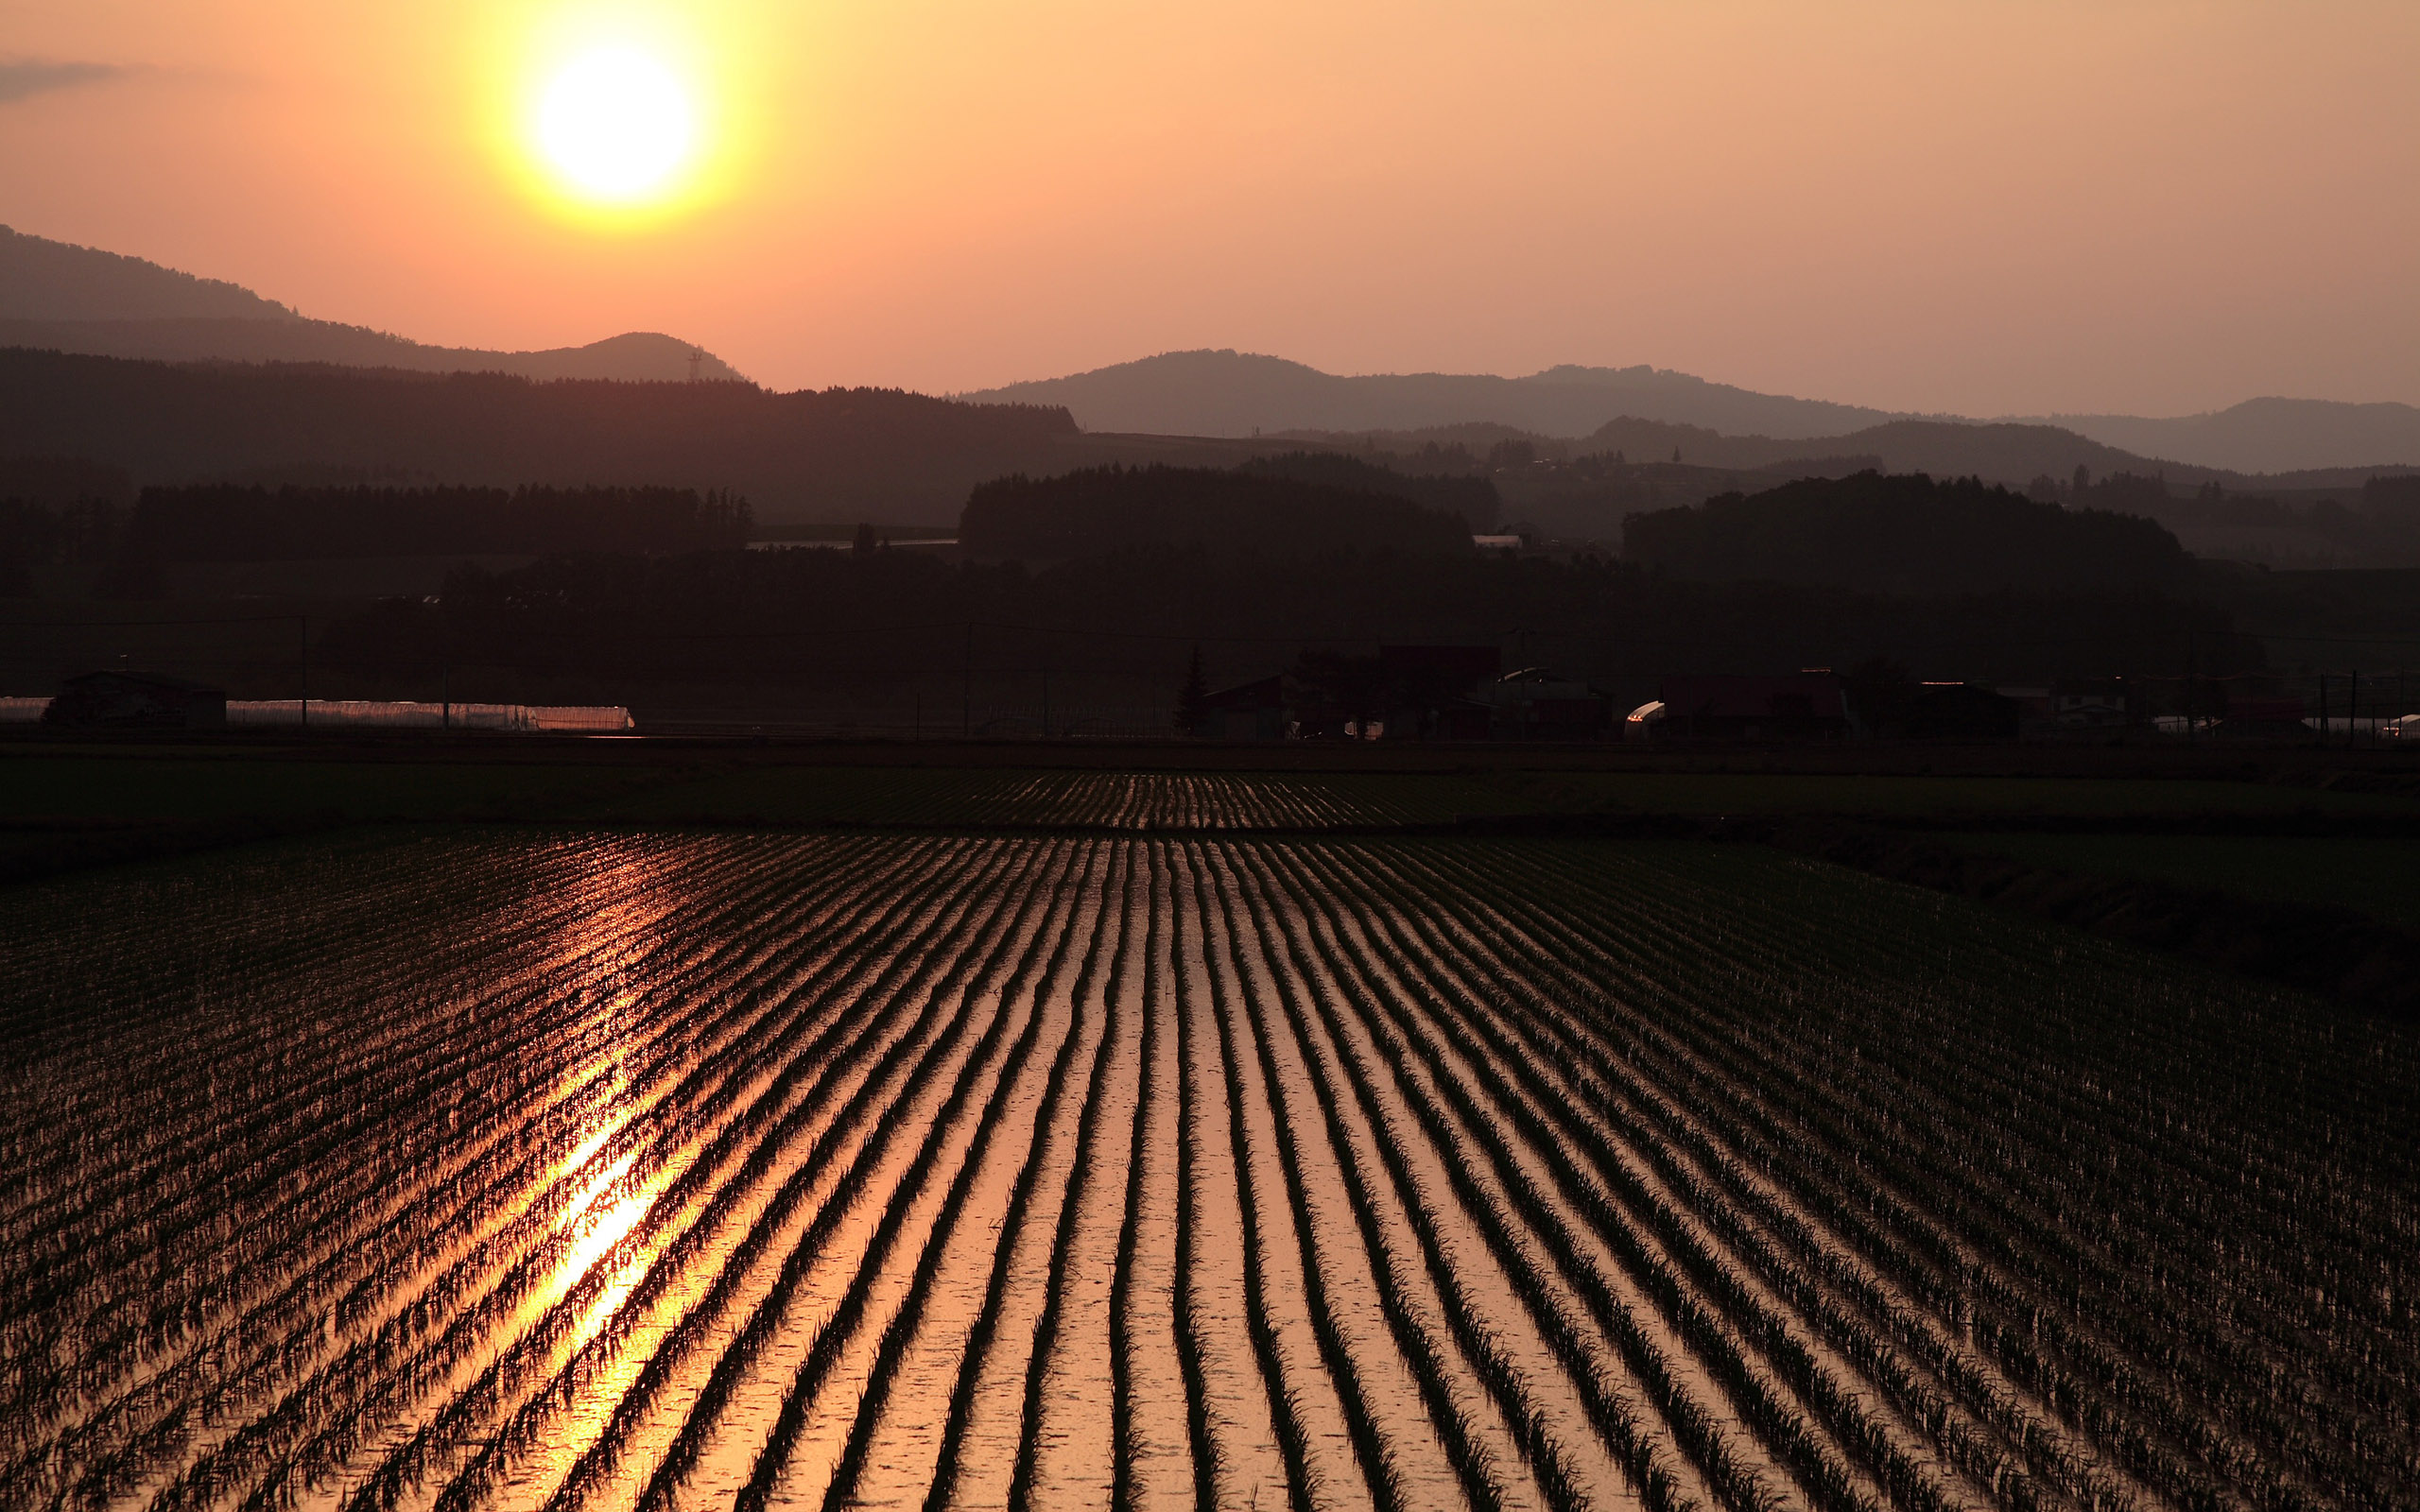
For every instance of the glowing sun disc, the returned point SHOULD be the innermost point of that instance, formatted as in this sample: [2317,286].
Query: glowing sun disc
[615,125]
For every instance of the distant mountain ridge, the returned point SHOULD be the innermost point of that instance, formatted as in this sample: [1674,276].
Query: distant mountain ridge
[2267,435]
[57,297]
[1231,393]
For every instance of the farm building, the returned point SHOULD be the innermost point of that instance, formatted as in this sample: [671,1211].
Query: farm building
[1805,706]
[1963,710]
[2096,703]
[1534,704]
[1249,711]
[136,700]
[1433,690]
[2264,717]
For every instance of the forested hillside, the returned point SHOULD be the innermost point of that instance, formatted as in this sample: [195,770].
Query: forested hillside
[1096,510]
[1905,535]
[861,452]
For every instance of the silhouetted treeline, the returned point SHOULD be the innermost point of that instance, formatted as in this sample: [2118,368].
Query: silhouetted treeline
[1095,510]
[2375,524]
[1905,535]
[1473,498]
[224,523]
[857,453]
[805,617]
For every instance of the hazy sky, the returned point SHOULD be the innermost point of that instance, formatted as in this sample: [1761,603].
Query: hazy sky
[1986,206]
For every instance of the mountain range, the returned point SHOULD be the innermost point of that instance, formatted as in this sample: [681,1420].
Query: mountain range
[1192,407]
[62,298]
[1233,393]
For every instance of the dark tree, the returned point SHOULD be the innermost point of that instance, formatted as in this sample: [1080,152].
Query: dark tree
[1193,698]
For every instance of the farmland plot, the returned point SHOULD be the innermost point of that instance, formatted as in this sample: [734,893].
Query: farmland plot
[1087,800]
[650,1171]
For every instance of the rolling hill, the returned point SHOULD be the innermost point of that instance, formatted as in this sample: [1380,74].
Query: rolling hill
[1231,393]
[57,296]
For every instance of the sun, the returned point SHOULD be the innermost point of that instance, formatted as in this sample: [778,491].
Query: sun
[616,127]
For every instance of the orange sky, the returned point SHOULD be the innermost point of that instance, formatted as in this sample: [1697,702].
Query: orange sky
[1983,206]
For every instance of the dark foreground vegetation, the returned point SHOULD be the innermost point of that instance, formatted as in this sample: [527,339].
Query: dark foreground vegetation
[1098,511]
[776,617]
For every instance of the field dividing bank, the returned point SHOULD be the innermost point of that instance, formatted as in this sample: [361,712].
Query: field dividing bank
[575,1172]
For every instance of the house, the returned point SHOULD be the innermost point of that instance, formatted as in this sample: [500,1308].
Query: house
[1806,706]
[2096,703]
[1249,711]
[1963,710]
[1534,704]
[136,700]
[1431,689]
[2264,717]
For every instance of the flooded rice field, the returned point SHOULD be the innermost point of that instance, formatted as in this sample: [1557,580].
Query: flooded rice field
[657,1171]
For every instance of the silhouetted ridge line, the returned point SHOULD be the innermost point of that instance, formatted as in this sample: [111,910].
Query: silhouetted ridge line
[1905,535]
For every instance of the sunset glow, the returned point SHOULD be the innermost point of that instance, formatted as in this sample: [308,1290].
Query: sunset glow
[1995,208]
[616,126]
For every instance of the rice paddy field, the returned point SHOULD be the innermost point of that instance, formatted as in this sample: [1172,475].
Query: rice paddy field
[626,1168]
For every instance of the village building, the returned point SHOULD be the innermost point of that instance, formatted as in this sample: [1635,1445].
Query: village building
[138,701]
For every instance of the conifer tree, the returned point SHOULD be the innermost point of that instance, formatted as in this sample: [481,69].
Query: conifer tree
[1193,699]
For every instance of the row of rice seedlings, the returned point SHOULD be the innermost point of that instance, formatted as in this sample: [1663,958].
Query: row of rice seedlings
[2070,1119]
[153,1381]
[841,1327]
[950,1002]
[693,1209]
[1370,1448]
[978,1345]
[1980,1446]
[425,1312]
[1125,1437]
[856,1012]
[512,1371]
[889,1090]
[1192,1348]
[1910,1474]
[92,968]
[1085,1155]
[1636,1449]
[336,946]
[909,1318]
[1473,1330]
[1286,1418]
[1479,1479]
[1693,1428]
[212,1192]
[2253,1430]
[1759,1317]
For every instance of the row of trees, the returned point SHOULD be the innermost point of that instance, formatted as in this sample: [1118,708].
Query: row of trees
[224,523]
[798,616]
[1096,510]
